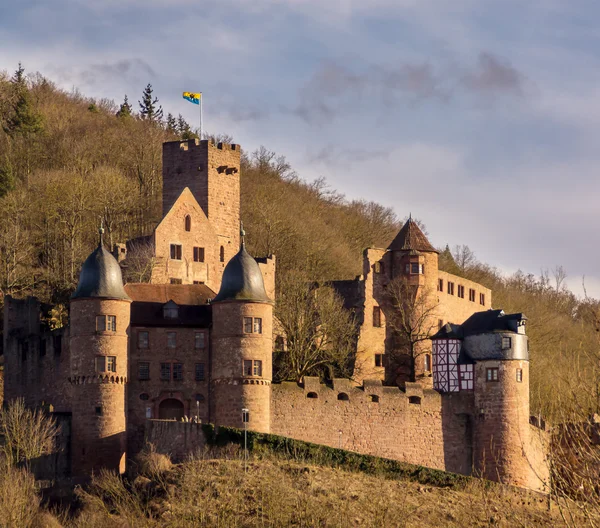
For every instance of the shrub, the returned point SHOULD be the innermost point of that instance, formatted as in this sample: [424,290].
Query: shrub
[19,501]
[152,464]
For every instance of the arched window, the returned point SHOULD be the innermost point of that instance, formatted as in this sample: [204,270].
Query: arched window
[342,396]
[188,223]
[312,395]
[222,254]
[414,399]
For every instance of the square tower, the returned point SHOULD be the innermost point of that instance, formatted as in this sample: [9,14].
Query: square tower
[212,173]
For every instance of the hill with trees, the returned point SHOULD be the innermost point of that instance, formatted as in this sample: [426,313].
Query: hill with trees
[69,162]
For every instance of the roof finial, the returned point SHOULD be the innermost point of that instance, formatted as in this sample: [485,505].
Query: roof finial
[410,217]
[242,235]
[101,233]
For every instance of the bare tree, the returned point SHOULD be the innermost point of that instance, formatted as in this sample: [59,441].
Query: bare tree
[27,433]
[411,316]
[319,333]
[140,261]
[464,258]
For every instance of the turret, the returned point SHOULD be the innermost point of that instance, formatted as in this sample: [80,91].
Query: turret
[99,325]
[242,345]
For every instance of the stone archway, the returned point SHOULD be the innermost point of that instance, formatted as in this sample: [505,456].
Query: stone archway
[170,409]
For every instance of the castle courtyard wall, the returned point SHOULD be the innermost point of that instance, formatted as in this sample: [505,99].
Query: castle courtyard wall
[378,420]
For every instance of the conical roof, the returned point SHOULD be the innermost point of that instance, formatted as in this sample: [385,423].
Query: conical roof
[410,237]
[100,277]
[242,279]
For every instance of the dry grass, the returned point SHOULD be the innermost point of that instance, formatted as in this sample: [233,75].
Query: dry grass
[151,464]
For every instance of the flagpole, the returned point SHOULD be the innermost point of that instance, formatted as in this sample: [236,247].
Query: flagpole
[201,116]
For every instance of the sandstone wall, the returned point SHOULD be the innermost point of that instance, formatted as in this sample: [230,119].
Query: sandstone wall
[455,309]
[177,439]
[433,431]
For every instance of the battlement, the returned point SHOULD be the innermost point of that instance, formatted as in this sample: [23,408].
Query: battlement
[190,144]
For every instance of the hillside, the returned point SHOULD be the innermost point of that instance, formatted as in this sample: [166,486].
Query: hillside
[68,161]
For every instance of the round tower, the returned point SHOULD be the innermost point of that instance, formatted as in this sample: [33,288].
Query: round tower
[242,347]
[501,397]
[99,324]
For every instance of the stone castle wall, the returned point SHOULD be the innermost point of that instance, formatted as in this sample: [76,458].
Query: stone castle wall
[455,309]
[417,426]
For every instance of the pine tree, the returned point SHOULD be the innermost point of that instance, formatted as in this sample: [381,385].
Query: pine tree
[149,107]
[24,120]
[171,123]
[184,129]
[125,109]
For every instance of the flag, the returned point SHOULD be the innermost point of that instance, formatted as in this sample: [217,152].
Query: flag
[192,97]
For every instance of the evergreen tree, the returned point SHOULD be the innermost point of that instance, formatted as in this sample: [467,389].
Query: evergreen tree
[24,120]
[125,109]
[184,129]
[149,107]
[171,123]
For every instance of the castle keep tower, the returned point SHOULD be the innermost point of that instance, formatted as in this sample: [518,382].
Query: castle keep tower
[242,346]
[100,311]
[212,173]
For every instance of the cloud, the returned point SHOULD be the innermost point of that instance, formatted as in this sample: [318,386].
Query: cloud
[133,70]
[344,157]
[333,86]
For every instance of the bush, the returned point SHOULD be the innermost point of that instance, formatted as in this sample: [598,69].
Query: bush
[19,501]
[152,464]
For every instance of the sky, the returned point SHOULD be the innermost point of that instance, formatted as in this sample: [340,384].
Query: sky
[479,117]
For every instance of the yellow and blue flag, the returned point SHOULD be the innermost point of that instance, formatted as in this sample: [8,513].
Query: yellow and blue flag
[192,97]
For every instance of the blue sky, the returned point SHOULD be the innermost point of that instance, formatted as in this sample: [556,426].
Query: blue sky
[480,117]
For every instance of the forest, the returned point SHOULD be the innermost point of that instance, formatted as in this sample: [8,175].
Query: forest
[69,162]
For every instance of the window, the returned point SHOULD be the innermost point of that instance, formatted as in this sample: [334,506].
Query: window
[491,374]
[482,299]
[176,251]
[342,396]
[171,339]
[144,396]
[252,325]
[99,411]
[222,254]
[199,340]
[143,339]
[200,398]
[279,344]
[106,363]
[312,395]
[106,323]
[519,375]
[378,267]
[252,367]
[175,281]
[170,310]
[506,343]
[415,400]
[374,398]
[143,370]
[380,360]
[450,288]
[198,254]
[471,295]
[376,316]
[461,291]
[177,371]
[440,285]
[199,371]
[188,223]
[427,363]
[416,268]
[165,371]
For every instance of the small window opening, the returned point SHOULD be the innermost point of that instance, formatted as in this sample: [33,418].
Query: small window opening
[342,396]
[415,400]
[519,375]
[144,396]
[188,223]
[98,411]
[222,254]
[427,362]
[380,360]
[471,295]
[374,398]
[312,395]
[506,343]
[376,316]
[440,286]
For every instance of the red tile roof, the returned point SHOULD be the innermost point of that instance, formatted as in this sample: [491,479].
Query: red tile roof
[181,294]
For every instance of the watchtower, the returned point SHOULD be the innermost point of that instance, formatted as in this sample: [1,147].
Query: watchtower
[212,173]
[242,346]
[100,313]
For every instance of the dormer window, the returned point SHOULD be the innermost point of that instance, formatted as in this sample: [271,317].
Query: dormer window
[170,310]
[188,223]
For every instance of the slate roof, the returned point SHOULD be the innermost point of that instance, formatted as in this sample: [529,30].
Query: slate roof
[100,277]
[410,237]
[242,279]
[489,321]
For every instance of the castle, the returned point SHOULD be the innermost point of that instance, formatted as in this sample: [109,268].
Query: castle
[197,341]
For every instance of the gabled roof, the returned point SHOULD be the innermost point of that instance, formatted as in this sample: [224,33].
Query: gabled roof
[181,294]
[410,237]
[489,321]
